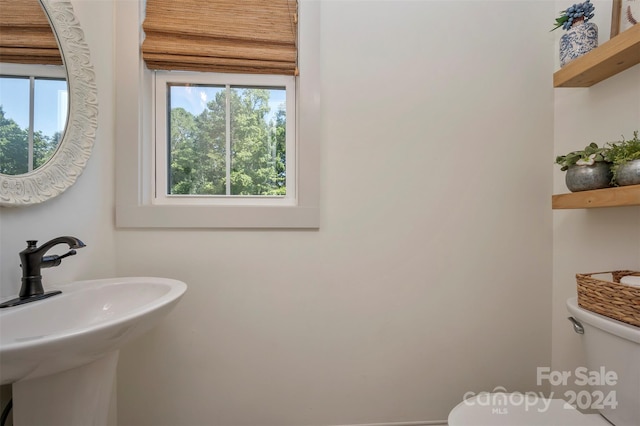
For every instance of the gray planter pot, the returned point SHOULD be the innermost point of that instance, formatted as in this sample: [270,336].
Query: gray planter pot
[628,173]
[585,178]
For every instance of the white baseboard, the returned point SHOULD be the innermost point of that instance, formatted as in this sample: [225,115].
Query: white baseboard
[423,423]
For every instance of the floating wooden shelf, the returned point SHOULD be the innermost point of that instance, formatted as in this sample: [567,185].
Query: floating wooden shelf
[609,197]
[610,58]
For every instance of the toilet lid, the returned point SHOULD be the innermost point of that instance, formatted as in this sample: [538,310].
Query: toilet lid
[516,409]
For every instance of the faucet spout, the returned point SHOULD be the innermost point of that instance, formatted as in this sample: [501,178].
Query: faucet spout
[72,242]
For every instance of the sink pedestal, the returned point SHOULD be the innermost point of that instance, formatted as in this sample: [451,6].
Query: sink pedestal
[77,397]
[60,354]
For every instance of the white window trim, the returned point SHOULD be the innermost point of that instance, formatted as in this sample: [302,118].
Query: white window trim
[134,140]
[162,79]
[33,70]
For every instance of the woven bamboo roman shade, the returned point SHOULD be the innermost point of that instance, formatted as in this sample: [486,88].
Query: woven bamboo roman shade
[241,36]
[25,34]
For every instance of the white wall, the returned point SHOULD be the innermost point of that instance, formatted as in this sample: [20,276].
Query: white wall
[434,252]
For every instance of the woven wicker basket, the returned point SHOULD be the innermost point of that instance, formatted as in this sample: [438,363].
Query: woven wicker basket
[610,298]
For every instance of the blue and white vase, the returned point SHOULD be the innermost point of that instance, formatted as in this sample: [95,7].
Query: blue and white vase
[578,40]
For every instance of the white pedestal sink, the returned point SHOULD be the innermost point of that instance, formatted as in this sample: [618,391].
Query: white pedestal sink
[60,353]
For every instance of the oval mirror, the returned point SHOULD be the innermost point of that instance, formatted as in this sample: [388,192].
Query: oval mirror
[47,162]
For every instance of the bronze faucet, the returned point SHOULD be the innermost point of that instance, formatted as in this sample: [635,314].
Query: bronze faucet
[33,260]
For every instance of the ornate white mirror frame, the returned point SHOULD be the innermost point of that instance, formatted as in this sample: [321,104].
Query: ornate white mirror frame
[69,160]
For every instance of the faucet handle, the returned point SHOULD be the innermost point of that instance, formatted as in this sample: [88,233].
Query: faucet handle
[54,260]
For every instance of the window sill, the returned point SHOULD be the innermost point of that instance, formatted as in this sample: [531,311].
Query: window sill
[256,217]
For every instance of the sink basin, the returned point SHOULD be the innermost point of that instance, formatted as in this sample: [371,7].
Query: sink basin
[89,320]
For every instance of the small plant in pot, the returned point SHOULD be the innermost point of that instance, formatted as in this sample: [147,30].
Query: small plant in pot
[625,156]
[587,169]
[581,36]
[579,12]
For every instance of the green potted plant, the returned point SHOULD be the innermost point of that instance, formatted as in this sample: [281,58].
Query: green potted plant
[586,169]
[625,156]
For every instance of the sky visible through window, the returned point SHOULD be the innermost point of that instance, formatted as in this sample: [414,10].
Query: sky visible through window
[50,103]
[194,98]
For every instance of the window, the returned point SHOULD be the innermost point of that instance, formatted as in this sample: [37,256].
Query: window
[224,139]
[150,189]
[33,115]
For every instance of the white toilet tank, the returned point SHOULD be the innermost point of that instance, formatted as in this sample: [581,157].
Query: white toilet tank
[614,346]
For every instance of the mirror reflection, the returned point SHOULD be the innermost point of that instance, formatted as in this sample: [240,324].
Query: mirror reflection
[33,88]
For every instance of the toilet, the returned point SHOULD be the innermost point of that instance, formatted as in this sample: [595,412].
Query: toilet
[611,347]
